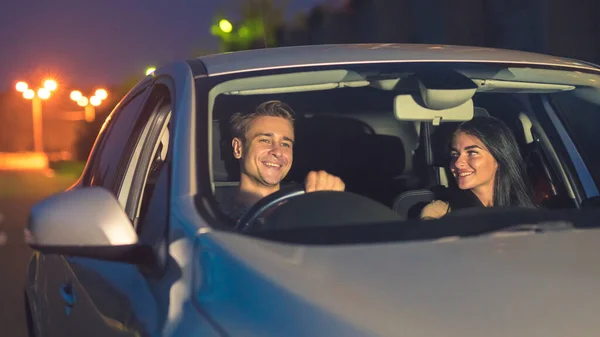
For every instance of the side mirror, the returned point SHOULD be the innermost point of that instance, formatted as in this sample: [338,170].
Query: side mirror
[84,222]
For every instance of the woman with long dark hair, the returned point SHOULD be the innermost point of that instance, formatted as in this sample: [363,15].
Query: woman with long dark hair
[488,169]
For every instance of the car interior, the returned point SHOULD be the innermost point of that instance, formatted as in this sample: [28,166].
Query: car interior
[387,135]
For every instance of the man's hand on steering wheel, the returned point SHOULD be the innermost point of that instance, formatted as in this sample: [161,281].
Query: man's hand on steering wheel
[315,181]
[322,181]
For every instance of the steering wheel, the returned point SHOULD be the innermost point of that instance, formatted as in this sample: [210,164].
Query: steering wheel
[248,221]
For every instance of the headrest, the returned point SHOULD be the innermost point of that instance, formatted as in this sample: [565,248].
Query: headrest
[225,166]
[319,142]
[377,156]
[344,147]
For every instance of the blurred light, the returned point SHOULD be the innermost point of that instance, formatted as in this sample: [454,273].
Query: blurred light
[244,32]
[215,30]
[50,85]
[43,93]
[95,100]
[101,93]
[76,95]
[82,101]
[29,94]
[150,70]
[21,86]
[24,161]
[225,26]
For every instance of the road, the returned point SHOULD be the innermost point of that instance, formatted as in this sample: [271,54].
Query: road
[18,192]
[14,255]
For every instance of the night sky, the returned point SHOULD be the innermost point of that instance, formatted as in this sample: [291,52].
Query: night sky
[86,42]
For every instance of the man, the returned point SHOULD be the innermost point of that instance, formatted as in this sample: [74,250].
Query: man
[263,142]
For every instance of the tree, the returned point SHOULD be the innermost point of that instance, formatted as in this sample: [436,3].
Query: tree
[257,27]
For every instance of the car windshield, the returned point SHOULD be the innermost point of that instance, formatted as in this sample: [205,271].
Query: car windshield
[385,130]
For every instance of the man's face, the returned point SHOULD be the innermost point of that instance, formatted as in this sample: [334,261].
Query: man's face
[266,154]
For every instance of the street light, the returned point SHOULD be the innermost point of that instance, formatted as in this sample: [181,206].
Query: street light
[89,104]
[76,95]
[29,94]
[101,93]
[95,100]
[225,26]
[82,101]
[50,85]
[150,70]
[43,93]
[22,86]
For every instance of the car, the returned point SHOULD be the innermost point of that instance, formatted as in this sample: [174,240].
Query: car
[139,245]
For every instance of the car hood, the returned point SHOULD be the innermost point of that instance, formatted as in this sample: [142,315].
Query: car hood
[500,285]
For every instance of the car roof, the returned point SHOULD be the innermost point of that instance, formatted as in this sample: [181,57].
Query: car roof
[315,55]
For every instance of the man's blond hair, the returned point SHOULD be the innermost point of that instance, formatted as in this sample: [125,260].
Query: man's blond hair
[240,122]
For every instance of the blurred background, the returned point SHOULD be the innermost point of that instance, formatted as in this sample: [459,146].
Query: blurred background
[109,45]
[65,64]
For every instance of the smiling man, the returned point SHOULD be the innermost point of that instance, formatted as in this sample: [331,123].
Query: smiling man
[263,142]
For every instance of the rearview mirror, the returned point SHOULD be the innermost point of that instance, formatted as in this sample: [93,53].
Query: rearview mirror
[86,222]
[445,90]
[444,96]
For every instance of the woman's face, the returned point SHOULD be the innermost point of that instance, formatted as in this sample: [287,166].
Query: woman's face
[472,164]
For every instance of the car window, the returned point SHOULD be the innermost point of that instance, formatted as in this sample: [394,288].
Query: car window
[145,189]
[580,111]
[107,162]
[149,152]
[152,172]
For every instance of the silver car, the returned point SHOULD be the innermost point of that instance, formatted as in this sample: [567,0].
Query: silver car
[140,245]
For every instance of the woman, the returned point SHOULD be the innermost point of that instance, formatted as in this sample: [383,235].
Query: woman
[488,169]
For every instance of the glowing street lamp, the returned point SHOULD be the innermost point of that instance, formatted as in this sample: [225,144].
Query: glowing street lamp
[21,86]
[36,98]
[51,85]
[82,101]
[76,95]
[101,93]
[150,70]
[225,26]
[28,94]
[43,93]
[89,104]
[95,100]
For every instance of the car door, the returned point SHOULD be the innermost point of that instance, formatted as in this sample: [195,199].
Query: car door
[87,297]
[53,280]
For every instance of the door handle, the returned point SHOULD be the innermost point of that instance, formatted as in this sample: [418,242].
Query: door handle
[67,294]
